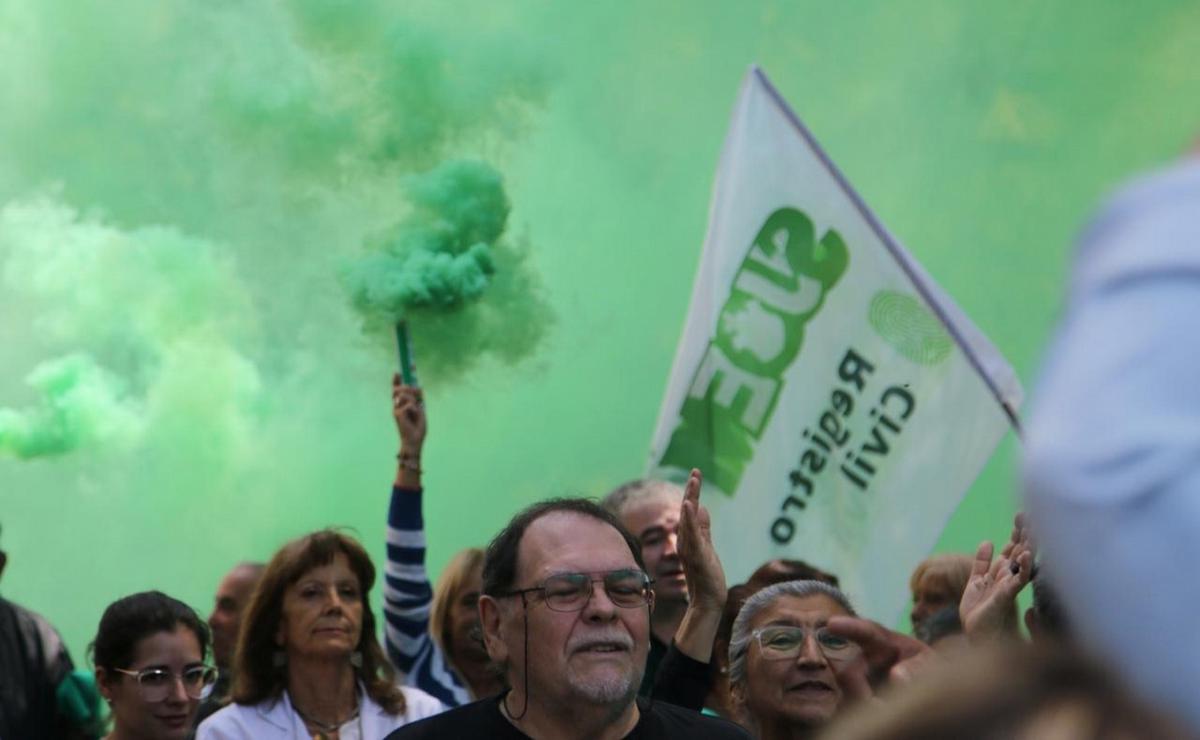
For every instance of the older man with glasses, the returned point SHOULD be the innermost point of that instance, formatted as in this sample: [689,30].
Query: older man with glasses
[566,614]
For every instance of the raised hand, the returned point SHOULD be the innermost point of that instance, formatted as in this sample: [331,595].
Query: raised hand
[408,409]
[701,566]
[704,574]
[986,608]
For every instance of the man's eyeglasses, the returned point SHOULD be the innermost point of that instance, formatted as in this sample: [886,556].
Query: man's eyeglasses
[156,684]
[570,592]
[784,642]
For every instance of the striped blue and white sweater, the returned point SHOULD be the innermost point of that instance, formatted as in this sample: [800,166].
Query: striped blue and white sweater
[407,594]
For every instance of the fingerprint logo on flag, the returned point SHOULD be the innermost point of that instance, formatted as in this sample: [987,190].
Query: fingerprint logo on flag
[911,328]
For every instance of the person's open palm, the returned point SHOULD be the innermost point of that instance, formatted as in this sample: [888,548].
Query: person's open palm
[701,567]
[986,605]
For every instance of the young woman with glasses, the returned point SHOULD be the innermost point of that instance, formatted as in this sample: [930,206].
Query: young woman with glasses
[149,655]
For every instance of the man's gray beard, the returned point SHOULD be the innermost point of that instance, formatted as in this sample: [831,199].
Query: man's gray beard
[616,690]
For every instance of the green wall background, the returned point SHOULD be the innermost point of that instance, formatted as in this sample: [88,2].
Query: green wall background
[981,133]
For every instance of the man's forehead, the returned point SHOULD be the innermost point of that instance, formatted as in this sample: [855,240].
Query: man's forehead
[238,582]
[656,508]
[935,583]
[566,541]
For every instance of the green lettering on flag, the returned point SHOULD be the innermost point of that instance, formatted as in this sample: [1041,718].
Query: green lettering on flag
[779,288]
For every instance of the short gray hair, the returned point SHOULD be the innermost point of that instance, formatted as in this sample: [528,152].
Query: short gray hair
[637,490]
[739,641]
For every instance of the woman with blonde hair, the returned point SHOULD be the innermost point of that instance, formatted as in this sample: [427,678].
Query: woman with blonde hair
[938,583]
[454,621]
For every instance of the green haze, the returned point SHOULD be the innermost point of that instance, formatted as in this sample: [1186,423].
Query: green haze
[186,187]
[81,404]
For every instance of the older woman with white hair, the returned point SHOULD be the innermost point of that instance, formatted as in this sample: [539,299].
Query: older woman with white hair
[789,675]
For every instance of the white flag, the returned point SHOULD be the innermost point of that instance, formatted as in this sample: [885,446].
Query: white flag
[837,401]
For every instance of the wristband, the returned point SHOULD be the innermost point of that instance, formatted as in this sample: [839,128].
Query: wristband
[409,462]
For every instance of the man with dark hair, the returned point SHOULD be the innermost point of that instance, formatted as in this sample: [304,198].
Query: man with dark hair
[566,614]
[501,561]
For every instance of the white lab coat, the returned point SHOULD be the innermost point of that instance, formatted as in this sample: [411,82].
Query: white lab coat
[277,719]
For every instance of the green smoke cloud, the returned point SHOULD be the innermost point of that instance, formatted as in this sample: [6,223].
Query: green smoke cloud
[183,184]
[81,404]
[434,266]
[441,255]
[127,305]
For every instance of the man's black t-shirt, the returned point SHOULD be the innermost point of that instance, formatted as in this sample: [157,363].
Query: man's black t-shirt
[483,719]
[658,651]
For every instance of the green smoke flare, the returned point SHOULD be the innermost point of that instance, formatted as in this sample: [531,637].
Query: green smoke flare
[441,256]
[433,268]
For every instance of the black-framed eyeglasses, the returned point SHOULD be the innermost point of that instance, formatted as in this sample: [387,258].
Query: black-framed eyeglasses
[155,684]
[783,642]
[570,592]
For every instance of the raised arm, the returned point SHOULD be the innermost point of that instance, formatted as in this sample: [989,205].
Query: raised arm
[683,676]
[408,411]
[704,574]
[407,592]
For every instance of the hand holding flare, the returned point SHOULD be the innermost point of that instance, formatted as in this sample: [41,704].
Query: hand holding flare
[408,411]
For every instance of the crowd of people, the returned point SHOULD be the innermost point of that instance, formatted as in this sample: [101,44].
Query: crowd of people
[614,619]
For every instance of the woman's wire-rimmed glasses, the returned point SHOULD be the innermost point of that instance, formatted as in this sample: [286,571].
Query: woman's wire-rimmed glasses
[784,642]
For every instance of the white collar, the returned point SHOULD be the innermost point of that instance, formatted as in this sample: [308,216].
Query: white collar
[280,712]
